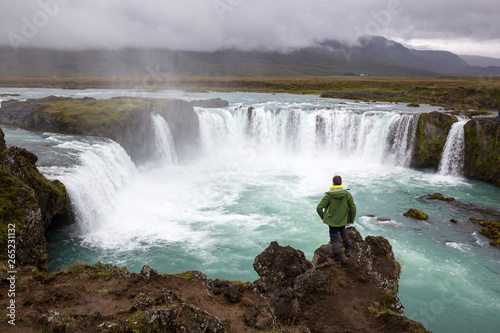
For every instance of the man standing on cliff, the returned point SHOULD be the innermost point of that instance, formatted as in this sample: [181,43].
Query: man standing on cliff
[337,210]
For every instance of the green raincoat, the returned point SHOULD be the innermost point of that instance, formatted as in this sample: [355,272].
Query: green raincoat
[337,207]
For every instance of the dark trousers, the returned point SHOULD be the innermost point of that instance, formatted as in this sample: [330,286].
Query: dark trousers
[334,239]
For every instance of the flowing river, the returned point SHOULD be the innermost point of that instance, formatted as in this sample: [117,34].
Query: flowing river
[258,178]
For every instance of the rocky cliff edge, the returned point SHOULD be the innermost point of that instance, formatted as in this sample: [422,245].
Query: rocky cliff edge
[126,120]
[292,294]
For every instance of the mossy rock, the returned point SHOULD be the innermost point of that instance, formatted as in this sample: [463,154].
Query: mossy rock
[439,196]
[413,105]
[482,150]
[431,134]
[2,141]
[29,202]
[417,214]
[495,243]
[490,230]
[454,221]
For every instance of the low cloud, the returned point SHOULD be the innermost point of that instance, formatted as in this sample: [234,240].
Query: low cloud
[245,24]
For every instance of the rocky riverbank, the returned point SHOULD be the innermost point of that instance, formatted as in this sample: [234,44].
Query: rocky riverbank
[291,295]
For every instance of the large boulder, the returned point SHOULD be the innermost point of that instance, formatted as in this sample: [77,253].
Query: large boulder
[210,103]
[278,266]
[28,204]
[309,294]
[482,150]
[432,131]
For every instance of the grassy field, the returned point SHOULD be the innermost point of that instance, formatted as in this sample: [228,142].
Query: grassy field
[479,93]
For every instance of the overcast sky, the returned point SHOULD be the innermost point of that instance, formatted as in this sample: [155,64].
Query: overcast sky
[460,26]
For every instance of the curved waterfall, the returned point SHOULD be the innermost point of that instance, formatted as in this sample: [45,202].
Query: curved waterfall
[101,171]
[377,136]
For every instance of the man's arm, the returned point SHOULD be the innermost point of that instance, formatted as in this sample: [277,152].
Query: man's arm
[322,205]
[352,209]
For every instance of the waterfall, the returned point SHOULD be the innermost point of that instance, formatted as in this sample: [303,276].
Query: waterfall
[401,139]
[376,136]
[101,171]
[164,147]
[452,159]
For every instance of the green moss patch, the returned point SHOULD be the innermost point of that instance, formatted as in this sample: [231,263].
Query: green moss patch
[417,214]
[439,196]
[89,113]
[490,230]
[12,191]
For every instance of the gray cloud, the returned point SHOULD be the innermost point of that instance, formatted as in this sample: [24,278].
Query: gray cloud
[207,25]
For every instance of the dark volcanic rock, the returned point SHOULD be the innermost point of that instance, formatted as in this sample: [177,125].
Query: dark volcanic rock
[438,196]
[369,278]
[2,141]
[278,266]
[417,214]
[29,202]
[147,272]
[210,103]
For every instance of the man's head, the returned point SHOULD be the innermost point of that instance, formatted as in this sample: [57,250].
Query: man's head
[337,180]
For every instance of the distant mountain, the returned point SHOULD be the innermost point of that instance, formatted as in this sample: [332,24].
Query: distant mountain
[481,61]
[373,56]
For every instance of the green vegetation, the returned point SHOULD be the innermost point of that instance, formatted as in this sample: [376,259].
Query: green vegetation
[432,131]
[459,93]
[19,201]
[387,299]
[490,230]
[90,113]
[482,151]
[10,213]
[189,275]
[439,196]
[416,213]
[100,269]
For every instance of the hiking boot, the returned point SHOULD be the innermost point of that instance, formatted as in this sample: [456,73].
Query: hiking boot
[347,252]
[334,262]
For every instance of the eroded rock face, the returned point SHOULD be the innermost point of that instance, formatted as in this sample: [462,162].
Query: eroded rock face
[432,131]
[2,141]
[298,291]
[125,120]
[297,295]
[482,150]
[29,202]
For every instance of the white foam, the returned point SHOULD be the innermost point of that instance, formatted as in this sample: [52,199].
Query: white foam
[459,246]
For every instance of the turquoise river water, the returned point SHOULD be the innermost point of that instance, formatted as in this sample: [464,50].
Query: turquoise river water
[258,178]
